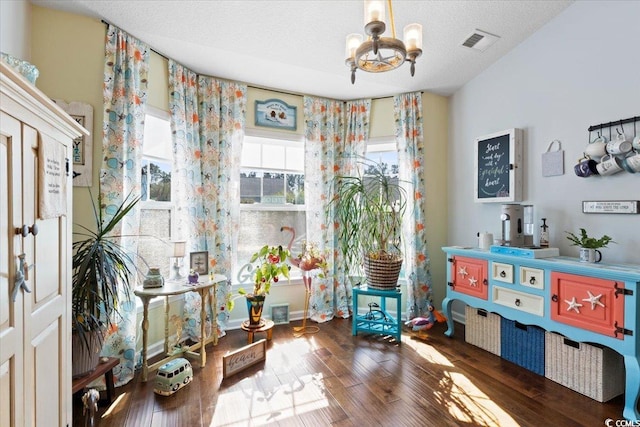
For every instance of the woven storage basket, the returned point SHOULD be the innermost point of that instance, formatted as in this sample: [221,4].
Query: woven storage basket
[522,345]
[482,329]
[382,273]
[590,370]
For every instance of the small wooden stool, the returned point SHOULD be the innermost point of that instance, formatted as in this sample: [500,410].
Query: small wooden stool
[267,327]
[103,368]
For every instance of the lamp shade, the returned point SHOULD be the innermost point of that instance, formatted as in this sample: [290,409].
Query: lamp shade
[179,248]
[413,37]
[373,11]
[353,41]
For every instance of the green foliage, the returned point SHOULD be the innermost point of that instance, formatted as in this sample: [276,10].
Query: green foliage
[271,264]
[368,211]
[100,267]
[584,241]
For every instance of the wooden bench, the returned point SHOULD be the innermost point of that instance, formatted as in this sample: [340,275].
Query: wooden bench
[104,368]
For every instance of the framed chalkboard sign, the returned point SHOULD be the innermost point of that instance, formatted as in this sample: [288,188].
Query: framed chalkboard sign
[498,167]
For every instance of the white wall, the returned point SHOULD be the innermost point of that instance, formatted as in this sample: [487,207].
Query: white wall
[15,28]
[581,69]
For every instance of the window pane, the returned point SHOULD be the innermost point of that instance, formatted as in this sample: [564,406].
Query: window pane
[155,230]
[259,228]
[251,156]
[160,181]
[157,137]
[273,156]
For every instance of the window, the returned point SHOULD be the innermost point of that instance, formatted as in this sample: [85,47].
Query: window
[156,210]
[271,195]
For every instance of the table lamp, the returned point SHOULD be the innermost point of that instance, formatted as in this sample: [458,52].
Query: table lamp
[178,253]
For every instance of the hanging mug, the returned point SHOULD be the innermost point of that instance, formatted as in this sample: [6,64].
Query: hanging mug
[620,146]
[609,165]
[597,148]
[586,167]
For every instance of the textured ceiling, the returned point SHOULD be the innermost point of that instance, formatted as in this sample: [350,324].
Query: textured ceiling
[298,46]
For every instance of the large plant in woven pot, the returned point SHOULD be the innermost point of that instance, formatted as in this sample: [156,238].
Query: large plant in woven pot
[101,269]
[368,209]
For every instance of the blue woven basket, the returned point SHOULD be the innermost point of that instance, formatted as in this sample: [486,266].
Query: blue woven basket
[522,345]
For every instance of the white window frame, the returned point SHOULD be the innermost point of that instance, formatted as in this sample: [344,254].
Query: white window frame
[286,140]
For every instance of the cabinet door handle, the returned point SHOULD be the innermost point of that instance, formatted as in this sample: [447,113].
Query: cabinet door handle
[503,274]
[554,298]
[518,302]
[485,282]
[532,280]
[25,230]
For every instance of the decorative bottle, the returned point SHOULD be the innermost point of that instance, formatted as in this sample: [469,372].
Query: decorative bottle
[544,234]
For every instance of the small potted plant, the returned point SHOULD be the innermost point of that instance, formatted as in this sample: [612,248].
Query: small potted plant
[271,265]
[589,245]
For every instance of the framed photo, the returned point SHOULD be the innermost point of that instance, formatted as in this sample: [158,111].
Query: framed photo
[82,150]
[498,167]
[199,262]
[275,113]
[280,313]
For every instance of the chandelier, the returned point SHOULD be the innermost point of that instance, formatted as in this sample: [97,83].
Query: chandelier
[379,54]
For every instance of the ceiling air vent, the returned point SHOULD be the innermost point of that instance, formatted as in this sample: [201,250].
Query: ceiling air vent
[479,40]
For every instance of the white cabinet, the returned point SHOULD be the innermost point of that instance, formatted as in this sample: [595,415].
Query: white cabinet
[35,322]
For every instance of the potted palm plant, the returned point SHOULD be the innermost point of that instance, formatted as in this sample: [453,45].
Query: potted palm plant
[102,268]
[369,209]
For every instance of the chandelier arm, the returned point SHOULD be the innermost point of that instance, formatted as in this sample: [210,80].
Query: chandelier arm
[393,24]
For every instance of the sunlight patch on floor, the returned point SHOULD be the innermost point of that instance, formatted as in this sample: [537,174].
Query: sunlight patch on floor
[246,403]
[114,405]
[428,352]
[464,401]
[468,404]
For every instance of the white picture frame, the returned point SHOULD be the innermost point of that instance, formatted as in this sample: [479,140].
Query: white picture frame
[280,314]
[498,167]
[82,148]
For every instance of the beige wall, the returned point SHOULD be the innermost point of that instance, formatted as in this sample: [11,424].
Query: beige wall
[69,51]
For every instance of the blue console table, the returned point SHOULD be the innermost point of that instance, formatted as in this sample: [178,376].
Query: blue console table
[590,303]
[377,320]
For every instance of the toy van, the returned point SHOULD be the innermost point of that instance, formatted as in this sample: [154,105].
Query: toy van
[172,376]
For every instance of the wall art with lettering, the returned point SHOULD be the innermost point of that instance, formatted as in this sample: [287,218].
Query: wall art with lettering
[82,149]
[498,167]
[241,359]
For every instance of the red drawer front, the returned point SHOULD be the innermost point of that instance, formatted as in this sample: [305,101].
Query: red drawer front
[469,276]
[587,303]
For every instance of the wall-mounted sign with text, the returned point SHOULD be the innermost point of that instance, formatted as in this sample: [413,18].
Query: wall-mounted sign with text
[612,206]
[275,113]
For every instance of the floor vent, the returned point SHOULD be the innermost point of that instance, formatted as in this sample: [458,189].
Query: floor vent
[479,40]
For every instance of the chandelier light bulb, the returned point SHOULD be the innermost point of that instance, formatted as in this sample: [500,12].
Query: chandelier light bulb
[373,11]
[413,37]
[353,41]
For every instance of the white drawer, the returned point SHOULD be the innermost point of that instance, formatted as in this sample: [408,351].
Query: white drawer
[532,277]
[502,272]
[528,303]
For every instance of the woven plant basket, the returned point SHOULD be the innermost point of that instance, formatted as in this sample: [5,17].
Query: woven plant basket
[382,273]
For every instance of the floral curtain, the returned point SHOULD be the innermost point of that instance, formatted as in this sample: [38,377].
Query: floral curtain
[207,122]
[409,138]
[335,135]
[125,94]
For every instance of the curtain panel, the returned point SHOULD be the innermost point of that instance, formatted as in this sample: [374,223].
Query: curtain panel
[335,136]
[207,123]
[410,141]
[126,69]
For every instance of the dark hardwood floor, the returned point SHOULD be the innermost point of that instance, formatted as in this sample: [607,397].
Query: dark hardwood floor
[334,379]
